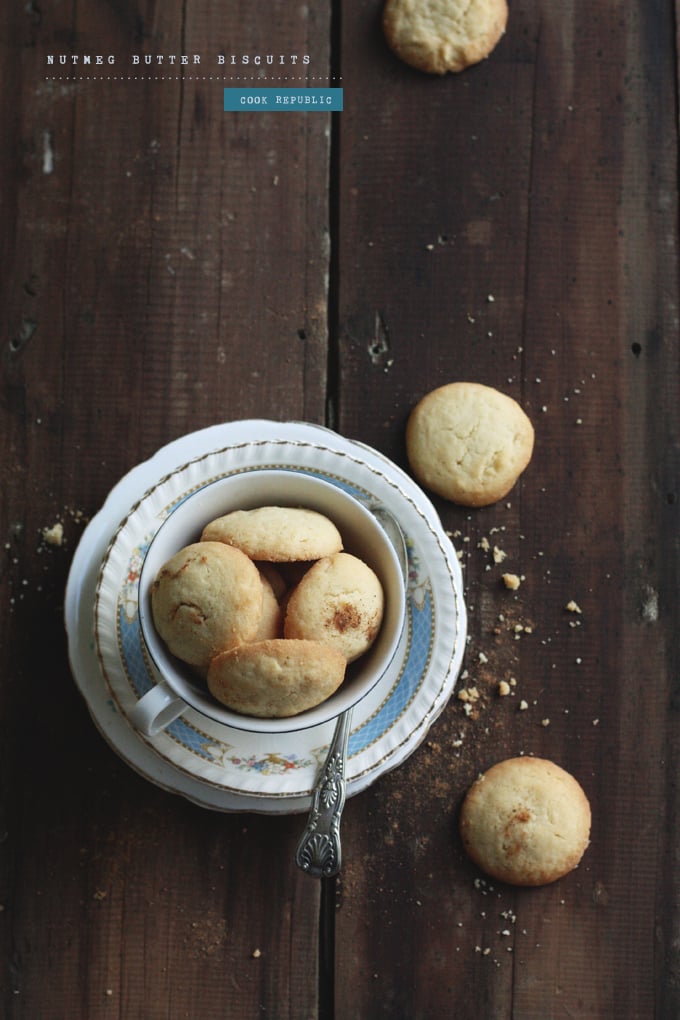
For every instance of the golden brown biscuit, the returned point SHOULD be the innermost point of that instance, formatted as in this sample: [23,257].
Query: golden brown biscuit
[271,621]
[526,821]
[339,601]
[468,442]
[275,578]
[205,599]
[275,679]
[443,35]
[279,534]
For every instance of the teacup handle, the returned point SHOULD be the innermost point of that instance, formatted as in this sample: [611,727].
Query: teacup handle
[156,709]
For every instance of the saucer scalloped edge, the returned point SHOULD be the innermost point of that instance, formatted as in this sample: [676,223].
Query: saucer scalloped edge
[215,765]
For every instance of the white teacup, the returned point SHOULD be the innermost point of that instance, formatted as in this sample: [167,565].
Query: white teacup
[362,534]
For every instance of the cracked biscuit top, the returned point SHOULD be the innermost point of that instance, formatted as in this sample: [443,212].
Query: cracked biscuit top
[468,443]
[277,534]
[340,602]
[525,821]
[443,35]
[207,598]
[275,678]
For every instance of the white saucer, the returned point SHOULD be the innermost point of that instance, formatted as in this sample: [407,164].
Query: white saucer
[211,764]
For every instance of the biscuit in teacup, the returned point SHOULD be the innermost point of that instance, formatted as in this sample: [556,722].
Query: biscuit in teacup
[206,598]
[271,620]
[339,601]
[277,678]
[278,534]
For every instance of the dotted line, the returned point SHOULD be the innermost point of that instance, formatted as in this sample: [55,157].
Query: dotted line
[180,77]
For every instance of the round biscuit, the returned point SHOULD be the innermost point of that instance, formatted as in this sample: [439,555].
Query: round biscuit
[339,601]
[278,534]
[443,35]
[206,598]
[525,821]
[276,678]
[468,442]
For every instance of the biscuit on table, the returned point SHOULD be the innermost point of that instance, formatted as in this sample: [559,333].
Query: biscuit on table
[468,442]
[339,601]
[443,35]
[206,598]
[278,534]
[277,678]
[525,821]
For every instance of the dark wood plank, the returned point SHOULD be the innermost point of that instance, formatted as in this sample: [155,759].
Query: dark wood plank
[164,268]
[517,226]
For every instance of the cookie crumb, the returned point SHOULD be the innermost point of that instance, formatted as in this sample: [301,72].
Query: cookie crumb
[503,689]
[256,954]
[572,607]
[54,535]
[511,581]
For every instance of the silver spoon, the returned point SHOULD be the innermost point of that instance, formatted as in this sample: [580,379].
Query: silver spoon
[319,852]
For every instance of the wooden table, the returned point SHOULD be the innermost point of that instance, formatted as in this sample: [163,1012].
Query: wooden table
[167,266]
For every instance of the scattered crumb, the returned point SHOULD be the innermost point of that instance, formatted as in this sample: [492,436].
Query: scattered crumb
[572,607]
[54,535]
[468,694]
[511,581]
[523,705]
[503,688]
[256,954]
[499,555]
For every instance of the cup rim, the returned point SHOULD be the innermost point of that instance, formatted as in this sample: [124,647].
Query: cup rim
[171,670]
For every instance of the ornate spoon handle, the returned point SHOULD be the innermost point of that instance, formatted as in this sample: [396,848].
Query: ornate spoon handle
[318,852]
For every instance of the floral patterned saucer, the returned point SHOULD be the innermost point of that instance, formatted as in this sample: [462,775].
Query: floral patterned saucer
[212,764]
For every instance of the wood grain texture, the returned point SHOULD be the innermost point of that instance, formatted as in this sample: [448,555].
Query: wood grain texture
[164,268]
[513,229]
